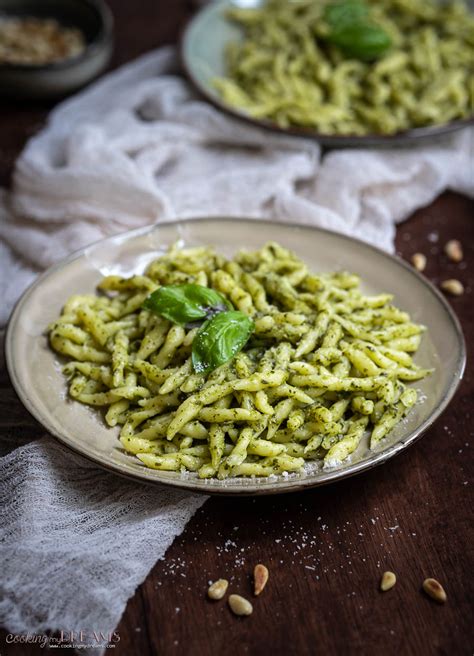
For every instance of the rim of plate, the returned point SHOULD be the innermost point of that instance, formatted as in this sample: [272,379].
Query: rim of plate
[405,137]
[251,487]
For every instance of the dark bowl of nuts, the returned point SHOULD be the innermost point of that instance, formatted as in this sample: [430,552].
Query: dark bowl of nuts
[53,47]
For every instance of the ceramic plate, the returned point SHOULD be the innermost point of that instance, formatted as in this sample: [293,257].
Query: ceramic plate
[202,53]
[36,371]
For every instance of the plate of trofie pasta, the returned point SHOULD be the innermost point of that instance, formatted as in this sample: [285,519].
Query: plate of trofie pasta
[201,355]
[347,72]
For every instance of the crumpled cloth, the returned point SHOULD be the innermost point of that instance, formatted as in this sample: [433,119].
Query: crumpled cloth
[77,540]
[137,147]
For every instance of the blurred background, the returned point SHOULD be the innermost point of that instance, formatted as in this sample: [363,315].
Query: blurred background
[137,28]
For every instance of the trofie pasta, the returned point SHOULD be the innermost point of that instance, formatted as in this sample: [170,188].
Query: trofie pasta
[320,364]
[291,69]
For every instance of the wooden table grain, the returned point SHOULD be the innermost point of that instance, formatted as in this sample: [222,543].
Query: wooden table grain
[325,548]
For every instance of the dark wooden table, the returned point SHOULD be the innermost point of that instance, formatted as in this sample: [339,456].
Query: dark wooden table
[325,548]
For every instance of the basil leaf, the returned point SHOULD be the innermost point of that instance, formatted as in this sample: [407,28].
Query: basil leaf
[352,31]
[183,304]
[347,12]
[219,339]
[364,41]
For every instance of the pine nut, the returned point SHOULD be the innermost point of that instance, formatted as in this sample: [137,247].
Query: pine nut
[260,578]
[419,261]
[453,250]
[239,605]
[218,589]
[388,581]
[453,287]
[435,590]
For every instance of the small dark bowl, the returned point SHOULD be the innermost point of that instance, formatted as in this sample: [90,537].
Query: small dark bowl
[59,78]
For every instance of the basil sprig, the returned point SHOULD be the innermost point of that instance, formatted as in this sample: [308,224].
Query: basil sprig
[184,304]
[219,339]
[224,332]
[353,32]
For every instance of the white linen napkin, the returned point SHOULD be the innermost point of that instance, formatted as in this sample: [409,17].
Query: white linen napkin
[77,541]
[135,148]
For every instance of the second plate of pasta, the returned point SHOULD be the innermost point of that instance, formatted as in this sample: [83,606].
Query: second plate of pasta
[346,72]
[201,355]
